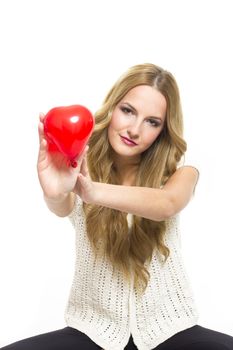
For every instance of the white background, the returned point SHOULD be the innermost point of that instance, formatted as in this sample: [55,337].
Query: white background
[57,53]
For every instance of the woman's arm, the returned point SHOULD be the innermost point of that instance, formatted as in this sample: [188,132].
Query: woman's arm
[150,203]
[62,206]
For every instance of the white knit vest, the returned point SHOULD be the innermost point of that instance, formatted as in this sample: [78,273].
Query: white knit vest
[108,310]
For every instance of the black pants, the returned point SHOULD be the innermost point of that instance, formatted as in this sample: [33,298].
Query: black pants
[194,338]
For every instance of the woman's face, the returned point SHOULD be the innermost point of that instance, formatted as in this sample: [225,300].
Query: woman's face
[139,117]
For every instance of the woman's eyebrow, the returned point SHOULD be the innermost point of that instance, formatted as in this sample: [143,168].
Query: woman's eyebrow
[135,111]
[132,107]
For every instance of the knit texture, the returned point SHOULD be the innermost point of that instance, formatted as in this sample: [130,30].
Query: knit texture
[108,309]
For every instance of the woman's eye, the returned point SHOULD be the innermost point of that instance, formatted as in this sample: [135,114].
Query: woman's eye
[154,122]
[126,110]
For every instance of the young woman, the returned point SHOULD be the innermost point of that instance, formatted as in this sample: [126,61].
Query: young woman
[130,289]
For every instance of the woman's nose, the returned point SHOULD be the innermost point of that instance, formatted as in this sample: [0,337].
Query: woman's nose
[133,130]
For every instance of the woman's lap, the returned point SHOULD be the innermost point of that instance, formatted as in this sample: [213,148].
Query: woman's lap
[62,339]
[194,338]
[198,338]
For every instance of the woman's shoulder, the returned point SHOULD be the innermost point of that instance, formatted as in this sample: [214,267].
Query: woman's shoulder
[190,159]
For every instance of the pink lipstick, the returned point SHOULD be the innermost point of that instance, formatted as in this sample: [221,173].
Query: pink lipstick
[128,142]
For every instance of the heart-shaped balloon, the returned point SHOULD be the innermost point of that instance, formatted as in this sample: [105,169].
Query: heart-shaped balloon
[68,129]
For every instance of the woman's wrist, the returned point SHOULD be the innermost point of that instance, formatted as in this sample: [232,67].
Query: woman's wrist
[61,205]
[56,199]
[97,193]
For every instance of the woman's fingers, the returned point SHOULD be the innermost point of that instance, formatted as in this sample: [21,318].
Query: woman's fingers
[85,151]
[84,168]
[43,143]
[43,150]
[41,116]
[41,131]
[41,126]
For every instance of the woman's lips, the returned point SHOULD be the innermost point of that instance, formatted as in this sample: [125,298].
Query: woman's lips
[128,142]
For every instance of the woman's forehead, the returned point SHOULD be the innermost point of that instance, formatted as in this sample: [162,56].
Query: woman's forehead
[146,99]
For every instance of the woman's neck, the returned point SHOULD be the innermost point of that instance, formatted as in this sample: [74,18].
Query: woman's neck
[126,169]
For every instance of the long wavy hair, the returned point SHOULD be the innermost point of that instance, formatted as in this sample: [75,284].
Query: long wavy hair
[130,250]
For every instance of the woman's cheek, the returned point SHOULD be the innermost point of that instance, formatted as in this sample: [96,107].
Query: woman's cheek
[153,137]
[115,121]
[123,121]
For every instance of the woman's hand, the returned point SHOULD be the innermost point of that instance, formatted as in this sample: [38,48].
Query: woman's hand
[56,177]
[85,187]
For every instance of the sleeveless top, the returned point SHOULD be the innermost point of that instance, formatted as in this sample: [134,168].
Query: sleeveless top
[108,310]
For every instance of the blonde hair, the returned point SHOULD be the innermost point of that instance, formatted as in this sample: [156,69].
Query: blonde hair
[107,229]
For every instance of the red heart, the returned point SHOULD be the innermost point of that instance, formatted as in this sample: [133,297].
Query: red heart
[69,129]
